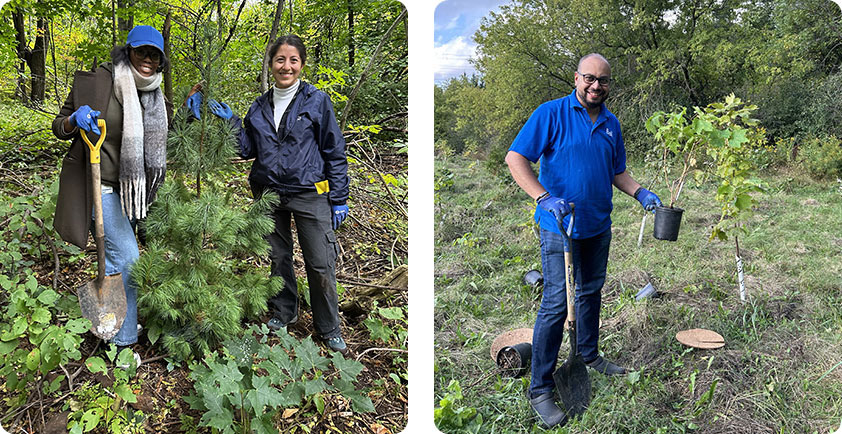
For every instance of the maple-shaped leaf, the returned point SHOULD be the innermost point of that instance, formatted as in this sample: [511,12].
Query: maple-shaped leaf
[314,386]
[228,377]
[348,368]
[263,395]
[292,395]
[273,372]
[218,414]
[308,353]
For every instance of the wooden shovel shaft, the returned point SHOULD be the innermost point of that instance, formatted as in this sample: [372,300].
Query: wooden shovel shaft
[568,271]
[571,288]
[99,230]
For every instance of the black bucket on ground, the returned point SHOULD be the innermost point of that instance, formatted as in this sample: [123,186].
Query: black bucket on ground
[533,278]
[667,223]
[514,360]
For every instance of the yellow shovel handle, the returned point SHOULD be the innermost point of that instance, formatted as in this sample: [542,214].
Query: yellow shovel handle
[95,159]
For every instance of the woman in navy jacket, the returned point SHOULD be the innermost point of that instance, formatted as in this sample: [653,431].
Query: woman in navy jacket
[299,153]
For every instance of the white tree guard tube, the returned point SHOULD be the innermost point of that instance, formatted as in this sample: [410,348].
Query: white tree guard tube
[740,278]
[642,225]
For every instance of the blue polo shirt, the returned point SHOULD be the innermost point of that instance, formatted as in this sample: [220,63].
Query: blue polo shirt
[579,159]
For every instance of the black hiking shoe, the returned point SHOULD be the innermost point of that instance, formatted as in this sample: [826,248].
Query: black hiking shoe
[276,323]
[550,414]
[605,367]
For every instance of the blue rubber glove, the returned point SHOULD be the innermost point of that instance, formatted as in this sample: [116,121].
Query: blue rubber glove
[85,118]
[194,102]
[648,199]
[340,212]
[555,206]
[220,109]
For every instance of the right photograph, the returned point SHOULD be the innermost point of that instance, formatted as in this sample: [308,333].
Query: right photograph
[638,216]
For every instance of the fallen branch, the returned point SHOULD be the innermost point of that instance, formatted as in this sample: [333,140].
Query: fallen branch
[370,285]
[397,350]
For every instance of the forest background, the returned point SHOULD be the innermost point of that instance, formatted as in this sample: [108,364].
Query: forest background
[358,54]
[779,370]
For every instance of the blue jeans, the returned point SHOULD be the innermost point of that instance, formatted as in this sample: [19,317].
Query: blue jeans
[590,259]
[121,252]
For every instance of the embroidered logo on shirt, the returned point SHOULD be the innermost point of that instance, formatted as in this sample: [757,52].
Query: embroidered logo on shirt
[609,132]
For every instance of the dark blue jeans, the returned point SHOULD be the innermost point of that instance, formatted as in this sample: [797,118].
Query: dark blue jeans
[590,259]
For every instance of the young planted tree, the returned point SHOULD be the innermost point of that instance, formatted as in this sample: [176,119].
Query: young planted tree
[197,279]
[728,135]
[734,137]
[678,143]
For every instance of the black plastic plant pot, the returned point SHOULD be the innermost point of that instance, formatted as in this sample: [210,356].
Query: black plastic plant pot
[514,360]
[667,223]
[533,278]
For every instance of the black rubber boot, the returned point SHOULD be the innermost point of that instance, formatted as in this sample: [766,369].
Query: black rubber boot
[548,411]
[605,367]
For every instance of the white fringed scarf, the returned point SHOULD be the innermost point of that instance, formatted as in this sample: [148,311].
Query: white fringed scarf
[143,152]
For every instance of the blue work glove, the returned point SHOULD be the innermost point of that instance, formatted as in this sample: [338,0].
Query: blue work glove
[648,199]
[340,212]
[555,206]
[220,109]
[194,102]
[85,118]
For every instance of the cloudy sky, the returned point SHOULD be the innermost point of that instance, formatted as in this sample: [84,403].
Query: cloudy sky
[455,24]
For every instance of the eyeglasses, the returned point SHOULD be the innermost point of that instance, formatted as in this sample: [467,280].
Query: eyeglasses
[143,52]
[590,78]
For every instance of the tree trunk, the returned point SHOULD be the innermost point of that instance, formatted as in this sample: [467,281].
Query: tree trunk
[267,56]
[124,24]
[38,62]
[23,54]
[350,34]
[365,73]
[168,54]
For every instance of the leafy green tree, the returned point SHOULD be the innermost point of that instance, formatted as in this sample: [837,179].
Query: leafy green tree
[664,54]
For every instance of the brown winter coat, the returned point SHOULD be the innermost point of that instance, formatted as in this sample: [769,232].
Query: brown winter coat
[75,195]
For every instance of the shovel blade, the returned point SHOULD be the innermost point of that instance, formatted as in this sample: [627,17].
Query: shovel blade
[573,385]
[104,304]
[572,381]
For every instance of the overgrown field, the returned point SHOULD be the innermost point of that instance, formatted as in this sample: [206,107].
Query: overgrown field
[56,377]
[779,372]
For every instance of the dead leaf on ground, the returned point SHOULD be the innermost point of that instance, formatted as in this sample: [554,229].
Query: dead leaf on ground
[379,429]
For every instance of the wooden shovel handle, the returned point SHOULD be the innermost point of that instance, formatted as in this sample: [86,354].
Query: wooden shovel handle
[96,179]
[568,269]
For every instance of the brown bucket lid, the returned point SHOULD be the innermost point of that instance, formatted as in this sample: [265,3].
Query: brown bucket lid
[701,338]
[510,338]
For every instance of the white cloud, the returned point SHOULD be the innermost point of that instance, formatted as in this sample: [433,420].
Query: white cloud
[452,58]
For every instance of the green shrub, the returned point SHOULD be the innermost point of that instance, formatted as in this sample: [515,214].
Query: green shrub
[30,344]
[243,390]
[825,110]
[822,156]
[450,415]
[94,405]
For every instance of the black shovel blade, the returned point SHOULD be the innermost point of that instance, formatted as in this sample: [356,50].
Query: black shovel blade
[572,381]
[104,304]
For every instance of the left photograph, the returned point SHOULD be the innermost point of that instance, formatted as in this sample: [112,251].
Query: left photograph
[205,217]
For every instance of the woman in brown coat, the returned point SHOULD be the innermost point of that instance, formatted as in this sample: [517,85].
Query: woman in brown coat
[126,93]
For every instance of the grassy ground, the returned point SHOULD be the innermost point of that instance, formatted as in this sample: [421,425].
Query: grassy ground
[779,371]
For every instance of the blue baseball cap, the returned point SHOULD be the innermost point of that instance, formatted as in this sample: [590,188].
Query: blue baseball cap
[145,35]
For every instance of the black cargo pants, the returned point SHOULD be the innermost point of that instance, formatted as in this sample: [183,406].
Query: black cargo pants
[313,224]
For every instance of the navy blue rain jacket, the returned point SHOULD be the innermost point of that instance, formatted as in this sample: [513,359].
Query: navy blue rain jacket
[311,150]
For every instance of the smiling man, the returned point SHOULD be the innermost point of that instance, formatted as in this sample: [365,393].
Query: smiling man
[582,156]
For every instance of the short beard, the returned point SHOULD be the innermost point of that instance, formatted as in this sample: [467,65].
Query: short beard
[591,105]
